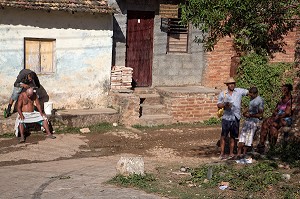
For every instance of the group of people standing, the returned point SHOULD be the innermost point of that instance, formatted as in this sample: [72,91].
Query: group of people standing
[231,99]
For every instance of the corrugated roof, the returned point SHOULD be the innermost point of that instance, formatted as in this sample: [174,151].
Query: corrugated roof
[60,5]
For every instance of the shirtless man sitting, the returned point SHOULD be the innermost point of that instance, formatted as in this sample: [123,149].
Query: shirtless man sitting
[27,114]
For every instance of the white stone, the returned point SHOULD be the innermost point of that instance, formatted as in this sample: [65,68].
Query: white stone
[130,165]
[286,177]
[85,130]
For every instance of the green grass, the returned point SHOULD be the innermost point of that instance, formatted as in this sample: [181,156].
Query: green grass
[210,122]
[288,152]
[256,178]
[8,135]
[97,128]
[145,182]
[102,127]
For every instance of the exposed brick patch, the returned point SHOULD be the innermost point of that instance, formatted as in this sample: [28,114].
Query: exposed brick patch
[218,64]
[289,55]
[190,107]
[220,60]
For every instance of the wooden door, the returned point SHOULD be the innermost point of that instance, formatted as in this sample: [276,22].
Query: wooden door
[139,46]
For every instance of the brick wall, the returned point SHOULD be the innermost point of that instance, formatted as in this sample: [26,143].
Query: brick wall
[220,62]
[289,55]
[191,107]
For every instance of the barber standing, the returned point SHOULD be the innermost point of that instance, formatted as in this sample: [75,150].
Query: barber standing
[26,79]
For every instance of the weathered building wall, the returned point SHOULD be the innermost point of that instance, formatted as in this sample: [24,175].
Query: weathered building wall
[83,54]
[176,69]
[168,69]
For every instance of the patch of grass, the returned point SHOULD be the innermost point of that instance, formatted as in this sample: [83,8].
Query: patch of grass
[97,128]
[288,152]
[141,127]
[254,177]
[146,182]
[73,130]
[102,127]
[212,121]
[163,126]
[8,135]
[290,192]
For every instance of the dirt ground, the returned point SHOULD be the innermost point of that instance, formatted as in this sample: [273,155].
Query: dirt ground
[163,144]
[162,149]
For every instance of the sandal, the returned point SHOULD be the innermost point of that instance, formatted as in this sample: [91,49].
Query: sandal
[222,157]
[231,157]
[50,136]
[22,140]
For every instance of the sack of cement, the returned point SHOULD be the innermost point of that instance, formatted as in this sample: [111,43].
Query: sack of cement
[130,165]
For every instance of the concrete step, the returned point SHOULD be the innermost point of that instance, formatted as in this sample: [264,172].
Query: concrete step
[158,109]
[85,117]
[155,120]
[152,99]
[68,118]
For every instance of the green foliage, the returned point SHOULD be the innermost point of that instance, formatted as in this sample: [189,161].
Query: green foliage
[101,127]
[267,77]
[8,135]
[257,26]
[212,121]
[96,128]
[288,152]
[255,177]
[134,180]
[67,130]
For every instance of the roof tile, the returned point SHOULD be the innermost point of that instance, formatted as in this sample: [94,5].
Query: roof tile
[60,5]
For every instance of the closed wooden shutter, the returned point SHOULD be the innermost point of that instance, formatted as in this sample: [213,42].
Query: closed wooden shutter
[39,55]
[46,51]
[32,54]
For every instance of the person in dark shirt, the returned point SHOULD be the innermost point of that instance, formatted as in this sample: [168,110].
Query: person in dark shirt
[26,79]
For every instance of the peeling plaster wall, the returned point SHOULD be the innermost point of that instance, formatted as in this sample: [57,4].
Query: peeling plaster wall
[83,54]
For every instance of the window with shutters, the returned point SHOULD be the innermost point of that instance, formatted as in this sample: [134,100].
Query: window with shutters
[39,55]
[177,36]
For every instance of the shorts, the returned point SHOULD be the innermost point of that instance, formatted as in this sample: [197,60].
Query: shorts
[231,127]
[247,133]
[16,92]
[288,121]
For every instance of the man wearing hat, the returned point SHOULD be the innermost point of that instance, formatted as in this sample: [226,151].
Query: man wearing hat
[230,99]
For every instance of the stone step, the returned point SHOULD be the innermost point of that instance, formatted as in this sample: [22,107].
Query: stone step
[155,120]
[144,90]
[158,109]
[152,99]
[7,125]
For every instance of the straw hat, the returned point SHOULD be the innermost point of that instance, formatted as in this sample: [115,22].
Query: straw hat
[229,80]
